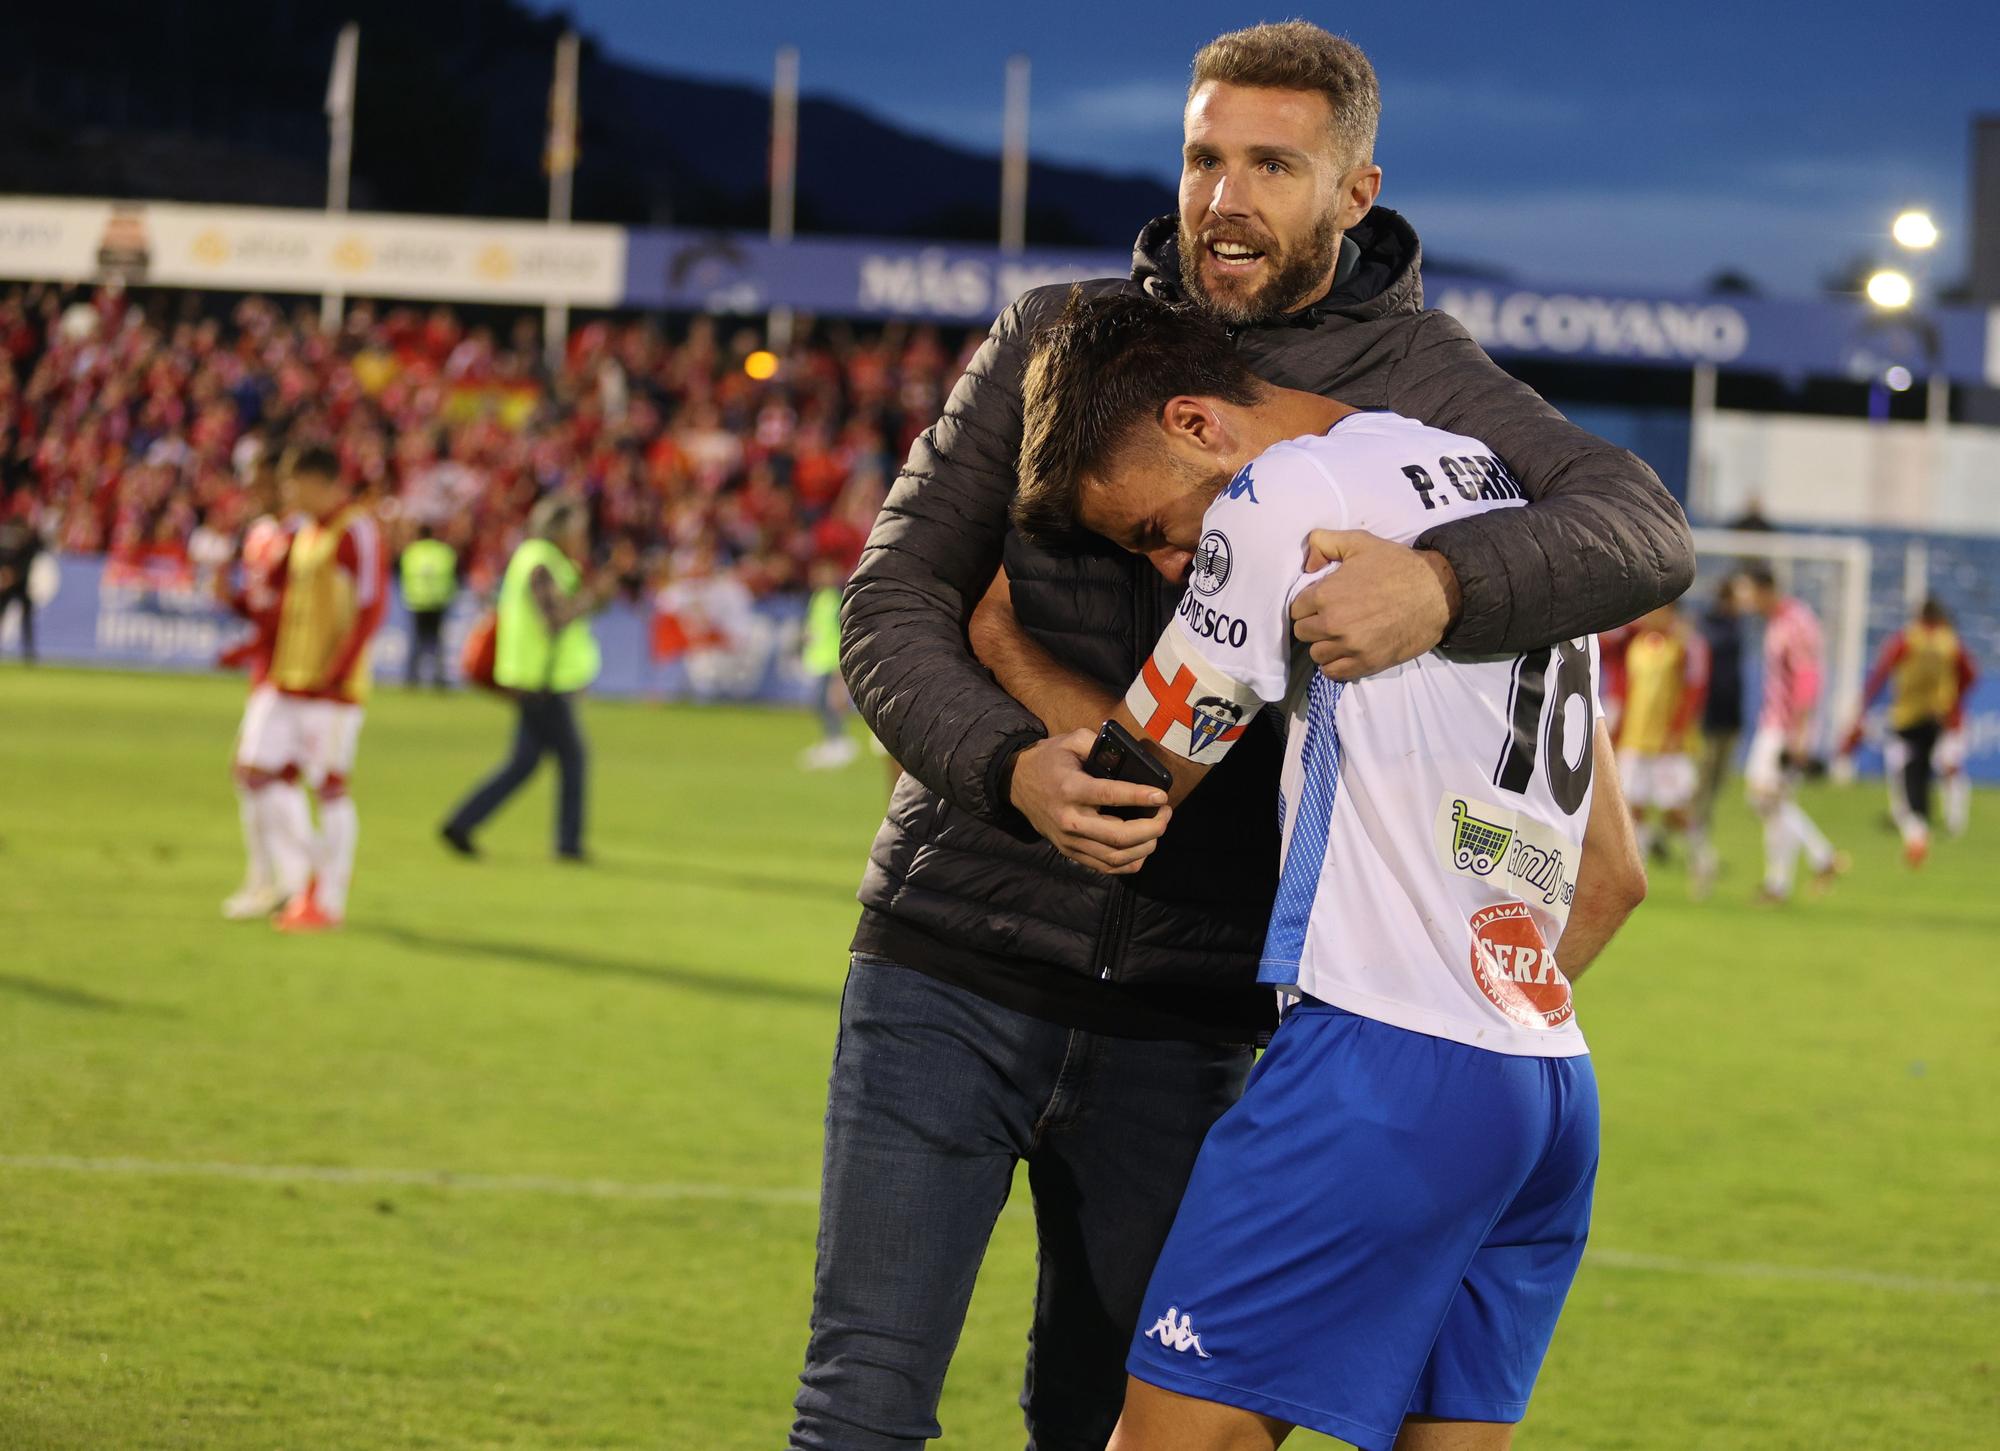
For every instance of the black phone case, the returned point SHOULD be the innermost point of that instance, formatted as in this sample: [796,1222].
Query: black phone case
[1117,755]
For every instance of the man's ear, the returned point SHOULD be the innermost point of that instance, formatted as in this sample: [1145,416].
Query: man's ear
[1358,189]
[1191,422]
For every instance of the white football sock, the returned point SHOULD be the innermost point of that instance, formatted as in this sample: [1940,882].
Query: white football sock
[339,830]
[1819,851]
[257,874]
[1957,802]
[286,820]
[1781,852]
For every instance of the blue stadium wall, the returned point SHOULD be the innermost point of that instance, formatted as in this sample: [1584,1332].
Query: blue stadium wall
[92,620]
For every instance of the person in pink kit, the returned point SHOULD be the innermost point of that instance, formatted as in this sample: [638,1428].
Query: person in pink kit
[1794,675]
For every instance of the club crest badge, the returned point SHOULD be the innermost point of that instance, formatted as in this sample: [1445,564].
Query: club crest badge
[1211,563]
[1210,717]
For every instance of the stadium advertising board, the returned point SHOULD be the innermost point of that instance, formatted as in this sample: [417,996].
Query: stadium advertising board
[1825,337]
[736,272]
[163,617]
[455,259]
[275,249]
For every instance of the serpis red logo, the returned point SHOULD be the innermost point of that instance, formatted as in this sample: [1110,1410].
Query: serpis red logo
[1516,969]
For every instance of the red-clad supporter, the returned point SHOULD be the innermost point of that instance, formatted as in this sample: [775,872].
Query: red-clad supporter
[130,421]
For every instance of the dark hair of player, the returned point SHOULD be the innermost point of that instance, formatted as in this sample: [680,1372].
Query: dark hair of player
[315,459]
[1296,55]
[1933,612]
[1107,365]
[1758,572]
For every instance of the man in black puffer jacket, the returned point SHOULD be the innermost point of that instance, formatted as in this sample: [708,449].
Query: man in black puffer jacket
[1005,1004]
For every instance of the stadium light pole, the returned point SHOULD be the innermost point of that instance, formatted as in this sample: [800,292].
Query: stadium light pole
[1701,421]
[1916,233]
[560,159]
[340,146]
[784,178]
[1014,159]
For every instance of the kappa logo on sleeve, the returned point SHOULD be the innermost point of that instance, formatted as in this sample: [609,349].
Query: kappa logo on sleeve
[1211,567]
[1243,484]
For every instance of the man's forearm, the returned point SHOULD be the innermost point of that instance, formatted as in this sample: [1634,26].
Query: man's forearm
[1603,542]
[1611,876]
[1064,699]
[935,545]
[1560,570]
[558,610]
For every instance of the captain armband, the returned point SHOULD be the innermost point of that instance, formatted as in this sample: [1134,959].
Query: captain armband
[1192,709]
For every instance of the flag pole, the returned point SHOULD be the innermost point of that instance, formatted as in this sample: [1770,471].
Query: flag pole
[340,147]
[1014,159]
[784,177]
[561,162]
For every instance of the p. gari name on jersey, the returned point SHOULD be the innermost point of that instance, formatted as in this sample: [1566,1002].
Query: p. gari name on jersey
[1434,813]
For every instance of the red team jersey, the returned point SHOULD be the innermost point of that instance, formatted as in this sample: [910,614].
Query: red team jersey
[332,596]
[260,575]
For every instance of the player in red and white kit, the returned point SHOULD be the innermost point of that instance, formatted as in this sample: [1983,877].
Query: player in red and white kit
[334,591]
[253,593]
[1794,675]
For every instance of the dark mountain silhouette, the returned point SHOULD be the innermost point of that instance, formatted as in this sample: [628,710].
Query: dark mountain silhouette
[221,101]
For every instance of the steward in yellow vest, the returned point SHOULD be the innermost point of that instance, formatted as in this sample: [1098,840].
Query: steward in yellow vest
[545,654]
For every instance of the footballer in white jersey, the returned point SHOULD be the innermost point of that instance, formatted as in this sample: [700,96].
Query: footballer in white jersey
[1427,887]
[1386,1225]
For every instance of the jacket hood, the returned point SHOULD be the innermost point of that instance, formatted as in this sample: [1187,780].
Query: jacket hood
[1385,280]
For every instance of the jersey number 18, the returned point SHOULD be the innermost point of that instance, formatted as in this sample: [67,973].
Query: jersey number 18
[1536,738]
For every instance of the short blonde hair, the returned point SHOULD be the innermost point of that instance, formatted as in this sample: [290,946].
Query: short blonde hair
[1296,55]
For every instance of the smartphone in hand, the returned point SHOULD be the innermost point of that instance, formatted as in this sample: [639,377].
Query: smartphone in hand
[1117,755]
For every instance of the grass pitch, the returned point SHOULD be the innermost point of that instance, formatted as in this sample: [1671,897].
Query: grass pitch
[525,1157]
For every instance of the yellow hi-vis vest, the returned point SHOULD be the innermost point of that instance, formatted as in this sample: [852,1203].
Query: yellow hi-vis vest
[524,657]
[429,572]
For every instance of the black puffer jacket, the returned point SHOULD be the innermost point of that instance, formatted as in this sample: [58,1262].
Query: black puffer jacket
[957,886]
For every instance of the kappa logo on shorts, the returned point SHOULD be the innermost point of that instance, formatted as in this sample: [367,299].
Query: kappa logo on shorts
[1211,563]
[1516,968]
[1176,1331]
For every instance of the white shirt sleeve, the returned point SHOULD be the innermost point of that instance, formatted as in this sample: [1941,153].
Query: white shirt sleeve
[1229,646]
[1236,614]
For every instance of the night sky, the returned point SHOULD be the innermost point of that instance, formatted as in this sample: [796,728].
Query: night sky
[1567,142]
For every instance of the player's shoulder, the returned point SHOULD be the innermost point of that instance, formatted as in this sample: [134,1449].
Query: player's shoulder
[1276,495]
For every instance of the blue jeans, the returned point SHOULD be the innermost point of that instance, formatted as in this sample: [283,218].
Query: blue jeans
[935,1095]
[544,724]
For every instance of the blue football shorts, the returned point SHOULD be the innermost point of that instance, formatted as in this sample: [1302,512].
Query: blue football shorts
[1385,1225]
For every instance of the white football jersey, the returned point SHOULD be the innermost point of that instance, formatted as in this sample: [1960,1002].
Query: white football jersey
[1433,815]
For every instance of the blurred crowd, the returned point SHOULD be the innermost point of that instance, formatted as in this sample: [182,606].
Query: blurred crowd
[130,426]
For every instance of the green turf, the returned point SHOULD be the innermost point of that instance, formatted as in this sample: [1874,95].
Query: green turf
[1794,1239]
